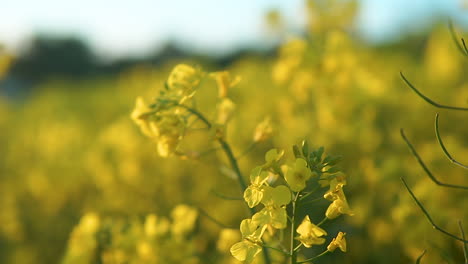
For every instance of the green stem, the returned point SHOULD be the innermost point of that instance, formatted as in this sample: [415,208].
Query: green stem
[314,258]
[233,162]
[423,165]
[309,193]
[235,166]
[428,216]
[443,146]
[465,249]
[297,247]
[323,221]
[293,229]
[276,249]
[427,99]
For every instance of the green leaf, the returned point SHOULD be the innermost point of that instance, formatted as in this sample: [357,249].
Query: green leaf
[333,170]
[319,153]
[332,160]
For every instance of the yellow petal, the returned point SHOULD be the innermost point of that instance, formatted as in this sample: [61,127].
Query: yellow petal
[253,195]
[245,251]
[339,241]
[278,196]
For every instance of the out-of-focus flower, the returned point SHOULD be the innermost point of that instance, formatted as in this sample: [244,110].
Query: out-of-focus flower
[156,226]
[183,79]
[140,117]
[225,110]
[227,238]
[224,81]
[263,131]
[184,218]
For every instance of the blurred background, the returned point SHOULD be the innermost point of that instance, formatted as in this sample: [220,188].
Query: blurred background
[75,171]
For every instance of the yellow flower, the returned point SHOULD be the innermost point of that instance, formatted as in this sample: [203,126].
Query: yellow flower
[167,129]
[263,131]
[225,110]
[274,214]
[254,193]
[310,234]
[140,116]
[339,241]
[89,223]
[249,247]
[155,226]
[297,176]
[224,82]
[339,205]
[332,180]
[183,79]
[271,160]
[183,219]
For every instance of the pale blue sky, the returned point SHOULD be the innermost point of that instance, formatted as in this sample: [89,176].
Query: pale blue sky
[121,27]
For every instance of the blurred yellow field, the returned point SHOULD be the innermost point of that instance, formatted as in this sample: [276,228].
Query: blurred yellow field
[134,168]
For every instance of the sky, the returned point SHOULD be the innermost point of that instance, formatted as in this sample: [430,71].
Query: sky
[123,27]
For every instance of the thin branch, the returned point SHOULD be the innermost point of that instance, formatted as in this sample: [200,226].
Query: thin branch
[428,216]
[233,161]
[443,146]
[465,250]
[316,257]
[427,99]
[276,249]
[464,46]
[420,257]
[463,49]
[428,172]
[323,221]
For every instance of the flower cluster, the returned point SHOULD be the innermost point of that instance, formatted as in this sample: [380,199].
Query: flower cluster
[278,186]
[166,119]
[155,239]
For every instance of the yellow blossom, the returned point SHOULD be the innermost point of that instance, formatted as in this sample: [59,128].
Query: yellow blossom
[224,81]
[271,158]
[225,110]
[155,226]
[140,117]
[274,213]
[183,219]
[333,180]
[254,193]
[297,176]
[339,203]
[310,234]
[183,79]
[263,131]
[249,247]
[339,241]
